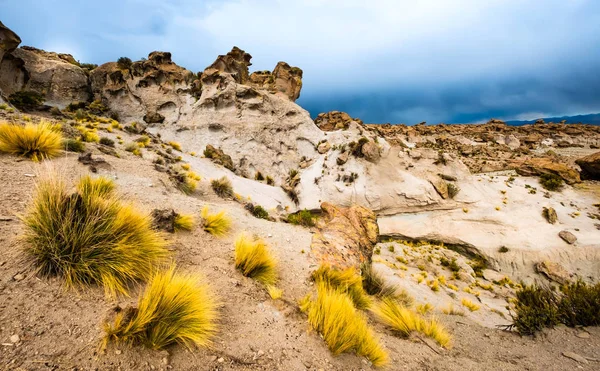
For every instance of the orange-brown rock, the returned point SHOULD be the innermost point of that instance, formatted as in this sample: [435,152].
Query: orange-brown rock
[334,120]
[236,63]
[346,236]
[590,166]
[544,165]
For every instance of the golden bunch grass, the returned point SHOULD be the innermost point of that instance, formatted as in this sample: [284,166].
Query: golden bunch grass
[374,284]
[186,167]
[342,326]
[218,224]
[175,308]
[347,280]
[90,236]
[188,185]
[254,259]
[175,145]
[95,187]
[184,222]
[274,292]
[451,310]
[405,321]
[469,305]
[35,141]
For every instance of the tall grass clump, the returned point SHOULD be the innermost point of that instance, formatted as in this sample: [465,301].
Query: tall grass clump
[405,321]
[254,259]
[222,187]
[343,327]
[34,141]
[218,224]
[90,236]
[347,281]
[303,217]
[184,222]
[175,308]
[374,284]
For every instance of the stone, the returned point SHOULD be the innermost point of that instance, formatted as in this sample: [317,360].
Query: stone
[568,237]
[550,215]
[553,271]
[440,186]
[576,357]
[154,118]
[235,63]
[334,120]
[219,157]
[19,277]
[5,218]
[583,335]
[544,165]
[590,166]
[492,275]
[324,147]
[164,220]
[371,151]
[345,237]
[342,158]
[15,338]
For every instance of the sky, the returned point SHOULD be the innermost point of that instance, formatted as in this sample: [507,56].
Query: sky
[396,61]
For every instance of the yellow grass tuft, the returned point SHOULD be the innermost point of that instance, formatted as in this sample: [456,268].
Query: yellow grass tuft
[186,167]
[218,224]
[175,145]
[87,239]
[347,281]
[343,328]
[194,176]
[222,187]
[184,222]
[451,310]
[404,321]
[35,141]
[274,292]
[469,305]
[95,187]
[175,308]
[254,260]
[424,308]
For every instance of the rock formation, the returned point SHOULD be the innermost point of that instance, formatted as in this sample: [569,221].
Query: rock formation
[590,166]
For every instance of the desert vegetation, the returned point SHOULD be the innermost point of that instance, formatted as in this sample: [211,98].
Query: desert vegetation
[34,141]
[218,224]
[90,236]
[222,187]
[254,259]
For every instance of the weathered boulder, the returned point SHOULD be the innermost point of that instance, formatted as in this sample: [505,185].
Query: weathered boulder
[8,40]
[346,236]
[568,237]
[342,158]
[544,165]
[323,147]
[371,151]
[235,63]
[55,76]
[334,120]
[155,90]
[553,271]
[440,186]
[219,157]
[590,166]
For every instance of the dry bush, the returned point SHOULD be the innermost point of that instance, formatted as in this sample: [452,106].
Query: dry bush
[35,141]
[218,224]
[222,187]
[469,305]
[175,308]
[90,236]
[184,222]
[374,284]
[254,259]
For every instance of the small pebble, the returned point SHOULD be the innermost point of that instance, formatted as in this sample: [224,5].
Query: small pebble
[15,338]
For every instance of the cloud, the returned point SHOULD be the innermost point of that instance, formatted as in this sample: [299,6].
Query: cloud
[381,60]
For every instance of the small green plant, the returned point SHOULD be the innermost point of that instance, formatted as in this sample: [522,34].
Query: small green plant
[258,211]
[551,182]
[450,264]
[452,190]
[107,142]
[270,180]
[303,217]
[503,249]
[25,100]
[124,63]
[73,145]
[222,187]
[374,284]
[259,176]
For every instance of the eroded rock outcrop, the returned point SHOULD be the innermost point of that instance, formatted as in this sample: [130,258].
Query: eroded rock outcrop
[346,236]
[334,120]
[590,166]
[9,40]
[539,166]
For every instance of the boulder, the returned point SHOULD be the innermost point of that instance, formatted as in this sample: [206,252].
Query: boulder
[323,147]
[219,157]
[440,186]
[334,120]
[235,63]
[568,237]
[57,77]
[545,165]
[553,271]
[288,80]
[8,40]
[342,158]
[371,151]
[345,237]
[590,166]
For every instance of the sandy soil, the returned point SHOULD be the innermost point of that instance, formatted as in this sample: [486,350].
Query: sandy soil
[60,329]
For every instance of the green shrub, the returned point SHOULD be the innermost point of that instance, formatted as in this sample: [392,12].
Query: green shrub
[452,190]
[107,142]
[258,211]
[222,187]
[551,182]
[73,145]
[374,284]
[303,217]
[535,307]
[580,304]
[124,63]
[26,99]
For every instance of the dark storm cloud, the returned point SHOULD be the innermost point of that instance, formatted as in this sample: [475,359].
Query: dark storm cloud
[380,60]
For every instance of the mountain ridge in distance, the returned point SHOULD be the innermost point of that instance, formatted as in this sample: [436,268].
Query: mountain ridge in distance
[592,119]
